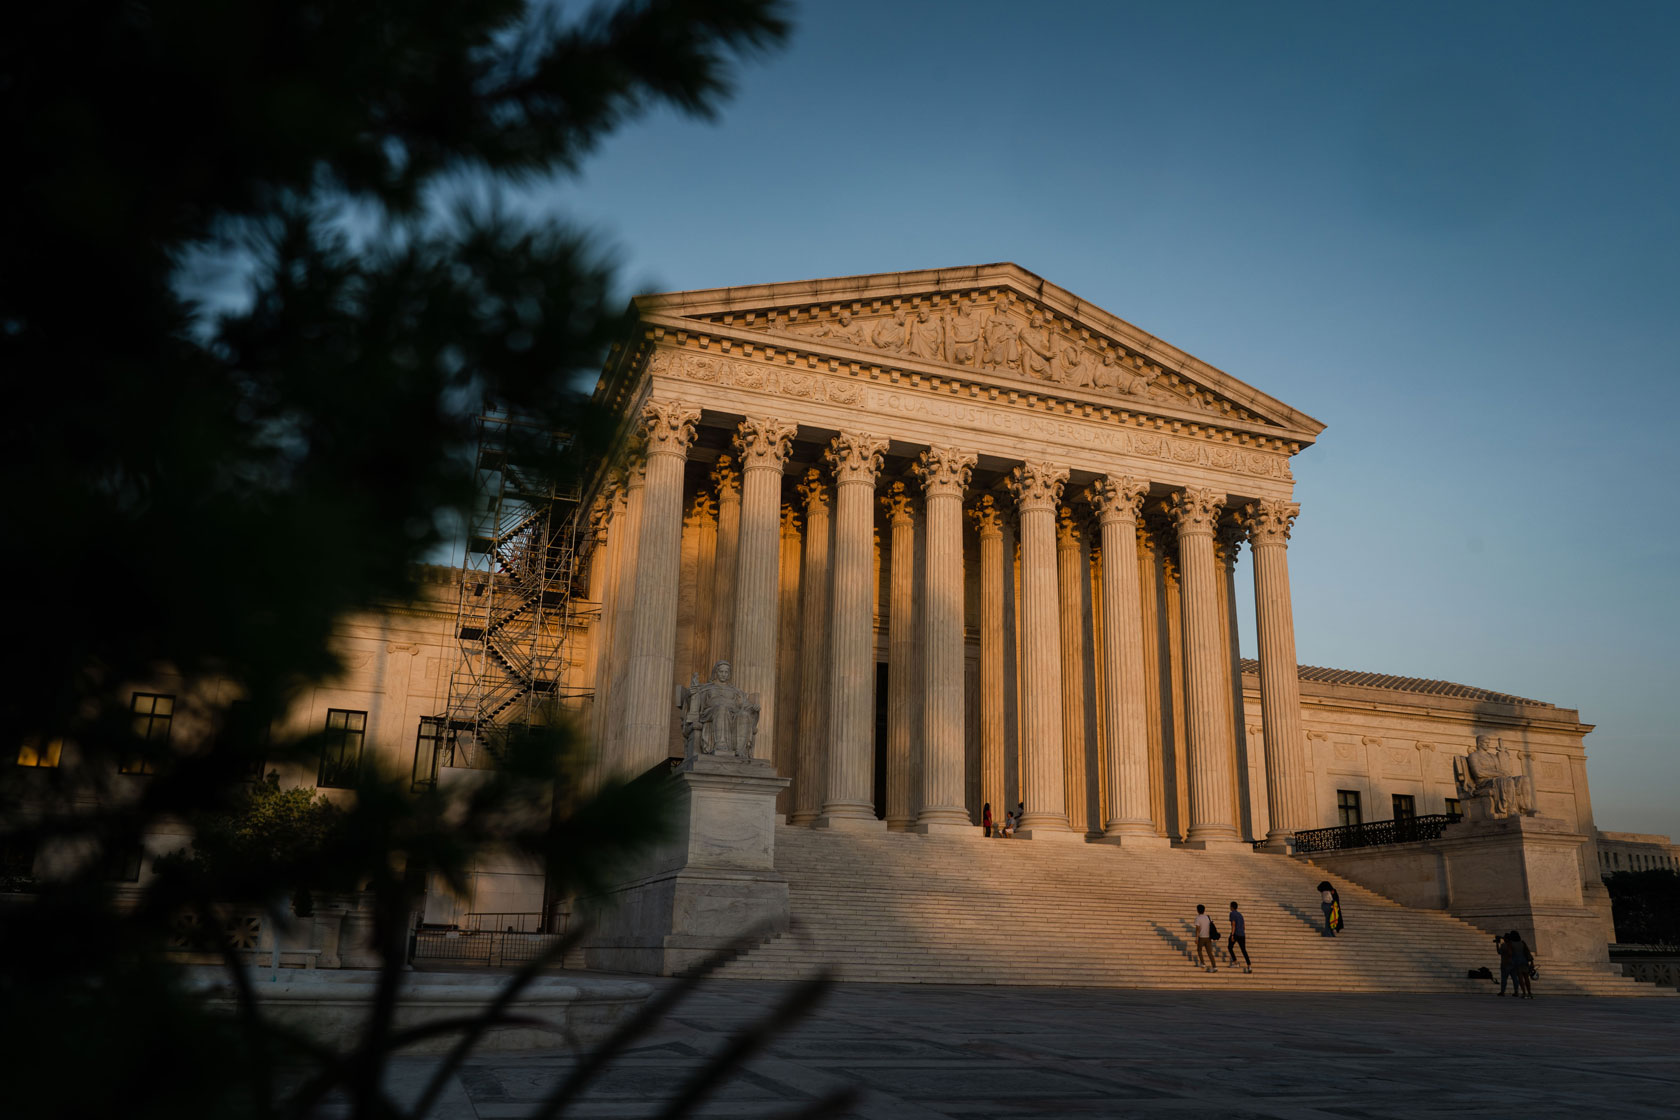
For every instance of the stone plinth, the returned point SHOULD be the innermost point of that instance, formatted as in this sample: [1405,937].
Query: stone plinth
[714,881]
[1521,873]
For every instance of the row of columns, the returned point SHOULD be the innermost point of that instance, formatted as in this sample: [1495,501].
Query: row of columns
[833,763]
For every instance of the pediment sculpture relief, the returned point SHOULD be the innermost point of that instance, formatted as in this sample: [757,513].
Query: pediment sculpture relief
[1000,337]
[1492,774]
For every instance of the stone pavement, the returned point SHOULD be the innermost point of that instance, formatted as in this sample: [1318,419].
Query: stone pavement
[925,1052]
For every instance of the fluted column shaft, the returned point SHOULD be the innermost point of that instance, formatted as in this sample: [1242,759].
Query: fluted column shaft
[810,757]
[624,607]
[1037,488]
[1268,526]
[763,447]
[1206,702]
[648,697]
[988,521]
[945,475]
[902,790]
[1155,713]
[1125,699]
[848,799]
[726,477]
[1070,592]
[703,517]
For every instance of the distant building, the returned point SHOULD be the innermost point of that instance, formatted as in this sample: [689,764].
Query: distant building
[1636,851]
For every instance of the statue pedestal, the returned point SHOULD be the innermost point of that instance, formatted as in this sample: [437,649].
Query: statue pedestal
[712,882]
[1521,873]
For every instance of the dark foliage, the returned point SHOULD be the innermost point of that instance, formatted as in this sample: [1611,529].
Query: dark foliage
[252,297]
[1646,907]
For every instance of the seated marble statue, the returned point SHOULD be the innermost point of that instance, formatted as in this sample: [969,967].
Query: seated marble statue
[1494,774]
[717,718]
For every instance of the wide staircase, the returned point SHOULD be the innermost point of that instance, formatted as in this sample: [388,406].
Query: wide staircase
[900,908]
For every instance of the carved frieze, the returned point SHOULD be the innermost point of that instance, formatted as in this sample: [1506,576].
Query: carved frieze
[997,334]
[843,390]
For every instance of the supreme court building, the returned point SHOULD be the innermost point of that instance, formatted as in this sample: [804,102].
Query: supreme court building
[970,540]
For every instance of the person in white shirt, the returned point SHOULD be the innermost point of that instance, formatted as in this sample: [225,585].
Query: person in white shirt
[1204,940]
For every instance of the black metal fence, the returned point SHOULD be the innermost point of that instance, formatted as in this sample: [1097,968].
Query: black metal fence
[485,947]
[1406,830]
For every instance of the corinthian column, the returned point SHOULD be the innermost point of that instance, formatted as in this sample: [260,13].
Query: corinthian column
[810,754]
[668,428]
[988,521]
[857,460]
[624,605]
[763,446]
[902,763]
[726,477]
[1117,500]
[1037,488]
[1070,584]
[1195,513]
[1268,525]
[944,474]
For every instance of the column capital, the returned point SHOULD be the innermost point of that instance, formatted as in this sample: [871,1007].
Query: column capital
[1070,528]
[1195,512]
[1268,522]
[815,490]
[1227,542]
[944,471]
[1117,498]
[763,443]
[899,503]
[856,456]
[668,427]
[702,509]
[726,477]
[1037,485]
[790,521]
[987,515]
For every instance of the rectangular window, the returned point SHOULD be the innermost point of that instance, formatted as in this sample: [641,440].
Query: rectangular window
[122,863]
[1347,807]
[1405,807]
[434,746]
[1454,809]
[31,753]
[341,751]
[17,861]
[245,734]
[151,714]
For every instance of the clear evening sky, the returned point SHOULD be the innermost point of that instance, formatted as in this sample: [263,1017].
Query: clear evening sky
[1447,231]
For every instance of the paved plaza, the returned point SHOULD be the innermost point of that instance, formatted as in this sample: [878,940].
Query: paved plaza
[920,1053]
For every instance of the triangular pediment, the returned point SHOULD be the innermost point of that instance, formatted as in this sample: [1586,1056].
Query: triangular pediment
[997,323]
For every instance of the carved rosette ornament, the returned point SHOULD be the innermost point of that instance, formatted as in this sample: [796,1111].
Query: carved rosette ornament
[764,444]
[815,491]
[987,516]
[899,504]
[1269,522]
[1195,512]
[856,456]
[1117,498]
[1037,485]
[668,427]
[944,471]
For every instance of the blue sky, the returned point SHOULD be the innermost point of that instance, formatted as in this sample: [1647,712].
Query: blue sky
[1449,232]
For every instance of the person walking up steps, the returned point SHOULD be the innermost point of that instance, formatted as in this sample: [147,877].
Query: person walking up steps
[1238,939]
[1205,933]
[1327,899]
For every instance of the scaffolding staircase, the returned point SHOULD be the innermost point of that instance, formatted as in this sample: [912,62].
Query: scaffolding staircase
[515,605]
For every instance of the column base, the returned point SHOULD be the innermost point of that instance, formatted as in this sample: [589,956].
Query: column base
[900,824]
[850,824]
[801,820]
[1279,843]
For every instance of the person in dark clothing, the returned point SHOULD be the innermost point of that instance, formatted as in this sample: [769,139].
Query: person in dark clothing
[1522,966]
[1238,939]
[1327,900]
[1507,948]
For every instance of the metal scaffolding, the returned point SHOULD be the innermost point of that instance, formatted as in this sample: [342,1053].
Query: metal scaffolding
[514,611]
